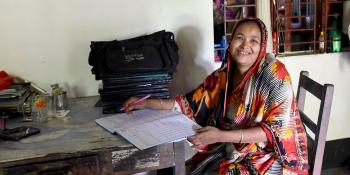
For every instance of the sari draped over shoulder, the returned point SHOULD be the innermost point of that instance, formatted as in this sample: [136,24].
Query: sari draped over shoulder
[263,98]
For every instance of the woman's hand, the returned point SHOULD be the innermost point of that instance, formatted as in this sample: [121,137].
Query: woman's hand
[205,136]
[129,104]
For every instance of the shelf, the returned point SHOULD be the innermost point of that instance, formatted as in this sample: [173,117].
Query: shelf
[296,43]
[240,6]
[289,2]
[335,14]
[306,3]
[333,2]
[295,53]
[232,20]
[330,28]
[296,30]
[289,17]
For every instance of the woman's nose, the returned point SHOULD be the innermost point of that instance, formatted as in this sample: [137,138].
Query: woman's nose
[245,44]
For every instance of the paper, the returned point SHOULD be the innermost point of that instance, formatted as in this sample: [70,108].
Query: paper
[147,128]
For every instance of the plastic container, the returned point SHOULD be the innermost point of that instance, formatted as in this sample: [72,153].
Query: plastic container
[223,47]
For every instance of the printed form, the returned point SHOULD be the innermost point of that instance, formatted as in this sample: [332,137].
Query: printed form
[147,127]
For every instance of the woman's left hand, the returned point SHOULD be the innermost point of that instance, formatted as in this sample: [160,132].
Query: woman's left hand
[205,136]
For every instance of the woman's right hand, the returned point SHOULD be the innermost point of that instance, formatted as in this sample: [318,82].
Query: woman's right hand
[129,104]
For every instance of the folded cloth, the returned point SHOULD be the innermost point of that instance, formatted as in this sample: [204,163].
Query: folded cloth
[5,80]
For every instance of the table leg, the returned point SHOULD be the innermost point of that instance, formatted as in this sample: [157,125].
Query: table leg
[3,122]
[179,156]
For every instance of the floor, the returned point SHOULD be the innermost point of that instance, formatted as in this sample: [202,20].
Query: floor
[336,171]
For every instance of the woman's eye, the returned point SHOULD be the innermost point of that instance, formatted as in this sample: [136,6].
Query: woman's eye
[255,42]
[238,38]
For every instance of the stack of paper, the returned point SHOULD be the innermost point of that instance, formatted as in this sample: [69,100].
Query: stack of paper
[147,128]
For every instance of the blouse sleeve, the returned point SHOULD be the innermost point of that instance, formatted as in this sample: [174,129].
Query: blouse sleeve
[199,103]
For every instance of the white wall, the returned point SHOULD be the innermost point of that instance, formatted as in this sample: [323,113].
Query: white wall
[326,68]
[47,41]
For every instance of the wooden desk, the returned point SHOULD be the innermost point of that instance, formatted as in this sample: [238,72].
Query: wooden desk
[77,145]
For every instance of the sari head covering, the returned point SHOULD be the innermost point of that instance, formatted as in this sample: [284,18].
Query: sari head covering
[263,98]
[261,55]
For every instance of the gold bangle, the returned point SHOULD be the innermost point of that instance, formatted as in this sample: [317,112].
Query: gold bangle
[241,139]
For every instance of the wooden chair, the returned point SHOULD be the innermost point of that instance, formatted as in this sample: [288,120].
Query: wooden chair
[325,94]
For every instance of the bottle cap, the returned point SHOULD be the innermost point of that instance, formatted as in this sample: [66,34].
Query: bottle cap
[55,85]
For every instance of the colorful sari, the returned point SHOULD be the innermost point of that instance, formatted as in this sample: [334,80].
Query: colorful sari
[264,98]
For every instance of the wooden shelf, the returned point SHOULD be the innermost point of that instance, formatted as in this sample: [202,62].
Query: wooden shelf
[335,14]
[240,6]
[301,16]
[232,20]
[330,28]
[291,33]
[333,2]
[297,43]
[296,30]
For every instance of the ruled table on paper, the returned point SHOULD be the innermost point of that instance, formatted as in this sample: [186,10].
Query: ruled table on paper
[147,128]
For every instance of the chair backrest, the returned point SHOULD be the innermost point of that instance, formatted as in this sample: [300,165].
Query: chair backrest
[325,94]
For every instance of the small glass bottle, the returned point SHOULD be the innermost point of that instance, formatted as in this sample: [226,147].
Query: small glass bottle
[55,90]
[321,40]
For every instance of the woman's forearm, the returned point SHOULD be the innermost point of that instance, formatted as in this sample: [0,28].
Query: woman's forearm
[250,135]
[160,103]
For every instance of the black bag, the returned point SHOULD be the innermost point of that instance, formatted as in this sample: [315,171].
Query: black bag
[154,53]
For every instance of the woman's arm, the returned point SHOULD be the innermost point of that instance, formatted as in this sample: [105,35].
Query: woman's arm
[250,135]
[149,103]
[160,103]
[209,135]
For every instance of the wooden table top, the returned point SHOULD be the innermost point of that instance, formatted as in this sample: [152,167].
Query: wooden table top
[76,133]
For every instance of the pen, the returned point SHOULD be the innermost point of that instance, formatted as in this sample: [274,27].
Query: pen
[138,101]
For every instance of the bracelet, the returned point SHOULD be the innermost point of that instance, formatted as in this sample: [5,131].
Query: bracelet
[241,139]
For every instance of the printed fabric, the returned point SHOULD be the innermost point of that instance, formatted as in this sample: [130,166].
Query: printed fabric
[264,98]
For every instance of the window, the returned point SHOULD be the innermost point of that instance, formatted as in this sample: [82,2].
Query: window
[307,26]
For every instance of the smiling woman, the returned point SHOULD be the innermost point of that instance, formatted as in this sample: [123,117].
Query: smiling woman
[247,111]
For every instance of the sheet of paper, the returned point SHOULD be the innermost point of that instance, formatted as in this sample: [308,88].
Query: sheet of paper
[125,120]
[147,128]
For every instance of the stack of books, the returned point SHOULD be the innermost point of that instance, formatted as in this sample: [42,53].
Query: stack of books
[116,90]
[136,67]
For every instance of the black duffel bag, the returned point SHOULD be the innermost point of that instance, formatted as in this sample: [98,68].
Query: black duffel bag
[154,53]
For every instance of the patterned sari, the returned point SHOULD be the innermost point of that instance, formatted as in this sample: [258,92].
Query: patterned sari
[264,98]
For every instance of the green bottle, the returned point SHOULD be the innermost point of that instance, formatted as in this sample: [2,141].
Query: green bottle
[336,40]
[335,35]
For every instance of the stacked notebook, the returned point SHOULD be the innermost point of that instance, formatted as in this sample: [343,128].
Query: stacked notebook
[116,90]
[133,67]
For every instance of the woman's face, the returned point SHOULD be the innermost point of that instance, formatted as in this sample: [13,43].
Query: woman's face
[245,44]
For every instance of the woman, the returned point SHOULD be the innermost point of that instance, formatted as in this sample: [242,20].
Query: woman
[247,109]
